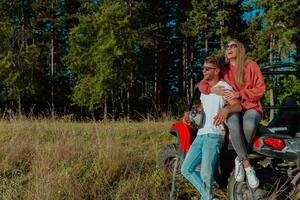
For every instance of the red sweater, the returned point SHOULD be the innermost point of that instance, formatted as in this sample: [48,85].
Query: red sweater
[250,92]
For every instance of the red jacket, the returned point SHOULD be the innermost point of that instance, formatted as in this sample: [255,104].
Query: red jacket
[250,92]
[184,134]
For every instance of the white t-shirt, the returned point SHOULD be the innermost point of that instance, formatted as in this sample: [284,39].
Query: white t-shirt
[212,104]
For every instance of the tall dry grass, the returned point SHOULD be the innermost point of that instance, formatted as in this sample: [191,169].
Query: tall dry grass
[45,159]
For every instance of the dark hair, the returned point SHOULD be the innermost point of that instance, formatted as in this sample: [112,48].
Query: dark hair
[213,60]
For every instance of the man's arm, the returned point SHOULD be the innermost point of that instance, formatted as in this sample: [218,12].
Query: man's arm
[233,105]
[186,118]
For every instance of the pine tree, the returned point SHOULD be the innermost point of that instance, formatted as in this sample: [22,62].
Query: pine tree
[273,32]
[18,59]
[100,54]
[274,37]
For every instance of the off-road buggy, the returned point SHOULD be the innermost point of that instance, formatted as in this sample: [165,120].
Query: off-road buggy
[275,152]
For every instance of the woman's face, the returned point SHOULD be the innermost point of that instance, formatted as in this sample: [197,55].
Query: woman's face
[231,50]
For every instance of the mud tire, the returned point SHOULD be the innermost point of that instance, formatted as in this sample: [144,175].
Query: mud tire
[167,158]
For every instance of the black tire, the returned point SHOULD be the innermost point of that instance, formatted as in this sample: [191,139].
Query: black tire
[270,181]
[168,156]
[242,191]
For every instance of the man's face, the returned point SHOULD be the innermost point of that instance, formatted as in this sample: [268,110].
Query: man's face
[210,71]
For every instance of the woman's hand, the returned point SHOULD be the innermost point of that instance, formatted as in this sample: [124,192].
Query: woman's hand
[186,118]
[221,116]
[219,90]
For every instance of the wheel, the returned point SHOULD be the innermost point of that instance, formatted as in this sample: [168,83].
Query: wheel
[272,184]
[167,158]
[242,191]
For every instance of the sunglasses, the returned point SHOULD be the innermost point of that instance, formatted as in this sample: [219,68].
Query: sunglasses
[205,68]
[231,46]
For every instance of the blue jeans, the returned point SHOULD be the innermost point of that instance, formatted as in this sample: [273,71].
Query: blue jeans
[205,150]
[242,127]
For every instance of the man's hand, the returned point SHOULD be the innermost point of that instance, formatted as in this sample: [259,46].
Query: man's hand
[186,118]
[230,94]
[221,116]
[219,90]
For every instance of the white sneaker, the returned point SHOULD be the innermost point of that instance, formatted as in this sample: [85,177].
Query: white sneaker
[251,177]
[239,172]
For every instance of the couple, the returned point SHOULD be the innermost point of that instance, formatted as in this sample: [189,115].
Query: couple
[229,94]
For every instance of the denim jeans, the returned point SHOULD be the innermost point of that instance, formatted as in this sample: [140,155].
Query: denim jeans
[205,150]
[242,127]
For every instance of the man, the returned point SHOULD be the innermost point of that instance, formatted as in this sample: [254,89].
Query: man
[210,136]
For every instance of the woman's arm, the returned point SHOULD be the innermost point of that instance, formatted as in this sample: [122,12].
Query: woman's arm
[257,81]
[206,89]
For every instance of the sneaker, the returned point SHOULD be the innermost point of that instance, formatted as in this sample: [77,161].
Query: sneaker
[251,177]
[239,172]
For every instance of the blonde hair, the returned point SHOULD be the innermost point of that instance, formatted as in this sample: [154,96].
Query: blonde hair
[240,62]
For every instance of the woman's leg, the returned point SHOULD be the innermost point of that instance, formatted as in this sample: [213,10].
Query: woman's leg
[234,125]
[237,138]
[251,119]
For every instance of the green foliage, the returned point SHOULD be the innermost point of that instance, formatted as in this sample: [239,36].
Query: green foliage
[19,82]
[216,19]
[274,32]
[291,86]
[100,54]
[135,56]
[6,32]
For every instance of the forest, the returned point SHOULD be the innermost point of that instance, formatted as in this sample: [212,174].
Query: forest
[132,58]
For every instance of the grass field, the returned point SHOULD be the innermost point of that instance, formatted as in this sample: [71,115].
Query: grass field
[44,159]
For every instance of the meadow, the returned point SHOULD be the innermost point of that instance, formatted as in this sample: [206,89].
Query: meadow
[43,159]
[61,159]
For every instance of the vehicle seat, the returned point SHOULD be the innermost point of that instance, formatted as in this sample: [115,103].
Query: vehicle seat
[287,117]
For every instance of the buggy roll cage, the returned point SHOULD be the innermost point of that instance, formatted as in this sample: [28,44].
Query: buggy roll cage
[282,69]
[268,70]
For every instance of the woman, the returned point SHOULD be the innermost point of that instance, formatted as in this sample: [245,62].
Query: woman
[247,81]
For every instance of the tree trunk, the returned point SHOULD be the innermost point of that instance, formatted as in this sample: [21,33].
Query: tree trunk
[52,77]
[128,102]
[297,60]
[271,90]
[206,46]
[52,63]
[192,77]
[185,68]
[146,88]
[112,103]
[20,59]
[19,106]
[121,97]
[156,83]
[279,55]
[105,110]
[221,34]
